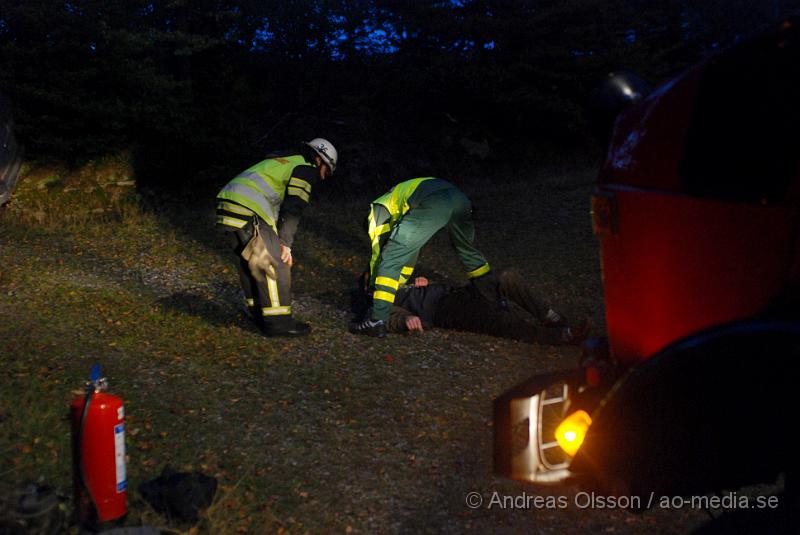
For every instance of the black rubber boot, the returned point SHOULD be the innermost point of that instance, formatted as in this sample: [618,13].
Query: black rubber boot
[560,335]
[254,315]
[285,326]
[376,328]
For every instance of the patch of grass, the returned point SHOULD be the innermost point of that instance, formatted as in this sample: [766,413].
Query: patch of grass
[330,433]
[101,191]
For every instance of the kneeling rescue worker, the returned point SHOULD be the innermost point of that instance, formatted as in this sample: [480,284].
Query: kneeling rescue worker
[264,204]
[400,223]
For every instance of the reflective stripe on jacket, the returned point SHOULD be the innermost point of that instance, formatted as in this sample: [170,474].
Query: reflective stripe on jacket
[386,211]
[262,187]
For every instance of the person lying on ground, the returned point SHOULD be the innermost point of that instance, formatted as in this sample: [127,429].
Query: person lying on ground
[520,314]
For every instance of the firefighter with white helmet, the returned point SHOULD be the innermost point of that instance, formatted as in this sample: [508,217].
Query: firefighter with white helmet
[326,151]
[261,208]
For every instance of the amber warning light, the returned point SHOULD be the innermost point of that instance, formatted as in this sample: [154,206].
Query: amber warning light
[572,430]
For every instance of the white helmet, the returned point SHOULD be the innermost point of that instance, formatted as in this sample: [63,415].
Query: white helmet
[326,151]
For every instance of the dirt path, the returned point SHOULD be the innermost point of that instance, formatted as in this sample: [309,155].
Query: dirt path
[333,433]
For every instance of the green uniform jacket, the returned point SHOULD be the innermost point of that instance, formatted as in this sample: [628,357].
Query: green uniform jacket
[386,211]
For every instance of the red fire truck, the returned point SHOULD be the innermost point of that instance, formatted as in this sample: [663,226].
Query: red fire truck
[697,211]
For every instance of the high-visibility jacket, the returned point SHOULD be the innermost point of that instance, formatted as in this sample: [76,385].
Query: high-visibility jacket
[396,199]
[386,211]
[261,190]
[395,205]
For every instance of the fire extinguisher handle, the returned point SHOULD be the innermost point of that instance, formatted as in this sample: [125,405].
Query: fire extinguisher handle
[96,383]
[95,375]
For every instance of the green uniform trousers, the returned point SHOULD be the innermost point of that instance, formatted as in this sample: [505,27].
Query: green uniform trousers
[447,207]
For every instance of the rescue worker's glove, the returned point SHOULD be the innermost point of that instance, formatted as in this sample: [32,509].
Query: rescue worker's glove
[286,255]
[487,287]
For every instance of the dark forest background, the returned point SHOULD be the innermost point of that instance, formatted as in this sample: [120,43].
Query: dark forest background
[195,88]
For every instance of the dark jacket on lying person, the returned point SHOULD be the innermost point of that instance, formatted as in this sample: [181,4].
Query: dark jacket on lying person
[520,315]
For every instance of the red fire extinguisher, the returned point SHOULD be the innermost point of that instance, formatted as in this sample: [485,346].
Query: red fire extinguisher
[98,445]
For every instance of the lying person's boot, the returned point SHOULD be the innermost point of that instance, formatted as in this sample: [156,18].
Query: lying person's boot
[369,327]
[574,335]
[554,319]
[560,335]
[285,326]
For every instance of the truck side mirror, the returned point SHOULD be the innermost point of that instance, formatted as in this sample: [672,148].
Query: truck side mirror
[613,95]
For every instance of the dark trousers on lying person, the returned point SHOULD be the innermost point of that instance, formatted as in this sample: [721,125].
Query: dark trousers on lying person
[525,318]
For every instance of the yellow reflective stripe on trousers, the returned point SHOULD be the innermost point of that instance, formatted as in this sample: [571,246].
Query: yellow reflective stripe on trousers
[483,270]
[276,311]
[386,281]
[230,221]
[274,297]
[297,192]
[234,208]
[384,296]
[249,302]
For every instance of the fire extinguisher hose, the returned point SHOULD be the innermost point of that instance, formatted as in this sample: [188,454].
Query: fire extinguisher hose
[81,475]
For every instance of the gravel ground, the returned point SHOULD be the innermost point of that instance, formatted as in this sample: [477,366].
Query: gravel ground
[333,433]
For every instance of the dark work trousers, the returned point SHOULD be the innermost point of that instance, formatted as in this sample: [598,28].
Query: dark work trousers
[444,208]
[464,309]
[512,287]
[266,299]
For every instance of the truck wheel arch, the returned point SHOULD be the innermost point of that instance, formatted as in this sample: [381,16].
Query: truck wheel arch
[710,412]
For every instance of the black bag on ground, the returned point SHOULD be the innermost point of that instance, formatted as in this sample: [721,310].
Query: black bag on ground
[180,495]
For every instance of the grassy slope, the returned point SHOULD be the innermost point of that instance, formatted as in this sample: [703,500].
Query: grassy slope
[332,432]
